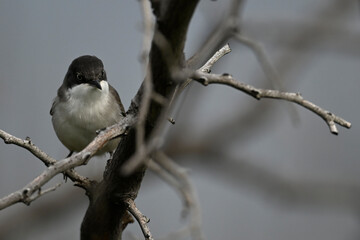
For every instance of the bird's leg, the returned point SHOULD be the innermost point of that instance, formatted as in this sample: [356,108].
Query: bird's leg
[64,175]
[70,153]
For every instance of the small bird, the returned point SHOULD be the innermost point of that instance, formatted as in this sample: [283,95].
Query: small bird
[85,103]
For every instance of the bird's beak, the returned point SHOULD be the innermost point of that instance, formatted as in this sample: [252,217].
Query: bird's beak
[95,83]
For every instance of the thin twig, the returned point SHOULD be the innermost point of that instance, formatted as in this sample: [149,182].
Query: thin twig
[148,29]
[268,69]
[147,86]
[143,111]
[140,218]
[173,182]
[219,35]
[259,93]
[40,193]
[206,68]
[262,58]
[177,176]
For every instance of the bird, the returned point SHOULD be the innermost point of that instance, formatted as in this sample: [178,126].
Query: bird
[85,103]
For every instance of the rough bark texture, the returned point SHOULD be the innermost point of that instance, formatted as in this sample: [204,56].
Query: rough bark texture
[107,214]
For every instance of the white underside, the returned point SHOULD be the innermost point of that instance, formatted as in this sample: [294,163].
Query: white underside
[86,110]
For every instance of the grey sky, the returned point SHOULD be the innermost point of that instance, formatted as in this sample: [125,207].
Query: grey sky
[39,39]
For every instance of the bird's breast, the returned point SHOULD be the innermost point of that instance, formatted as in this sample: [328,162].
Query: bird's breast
[91,107]
[86,110]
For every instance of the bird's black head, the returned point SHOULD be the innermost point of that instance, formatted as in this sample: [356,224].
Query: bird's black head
[85,70]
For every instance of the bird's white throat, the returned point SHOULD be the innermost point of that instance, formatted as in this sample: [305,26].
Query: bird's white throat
[85,100]
[87,92]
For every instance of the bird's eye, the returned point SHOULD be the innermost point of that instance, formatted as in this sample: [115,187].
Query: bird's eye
[102,75]
[79,76]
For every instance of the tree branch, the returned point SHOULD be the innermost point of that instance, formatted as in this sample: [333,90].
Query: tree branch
[28,200]
[154,143]
[240,171]
[206,68]
[221,33]
[259,93]
[80,181]
[140,218]
[177,177]
[56,167]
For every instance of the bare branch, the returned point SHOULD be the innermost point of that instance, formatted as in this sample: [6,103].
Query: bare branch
[259,93]
[147,86]
[148,28]
[219,35]
[141,155]
[140,218]
[270,72]
[40,193]
[177,177]
[57,167]
[241,171]
[144,107]
[219,54]
[27,144]
[80,181]
[173,182]
[262,58]
[205,68]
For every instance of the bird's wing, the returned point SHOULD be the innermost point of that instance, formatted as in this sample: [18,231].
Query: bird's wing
[55,102]
[117,98]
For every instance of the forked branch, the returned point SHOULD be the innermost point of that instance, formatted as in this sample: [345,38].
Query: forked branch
[80,181]
[140,218]
[258,93]
[177,177]
[32,189]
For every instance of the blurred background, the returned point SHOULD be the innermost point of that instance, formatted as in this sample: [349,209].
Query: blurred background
[262,169]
